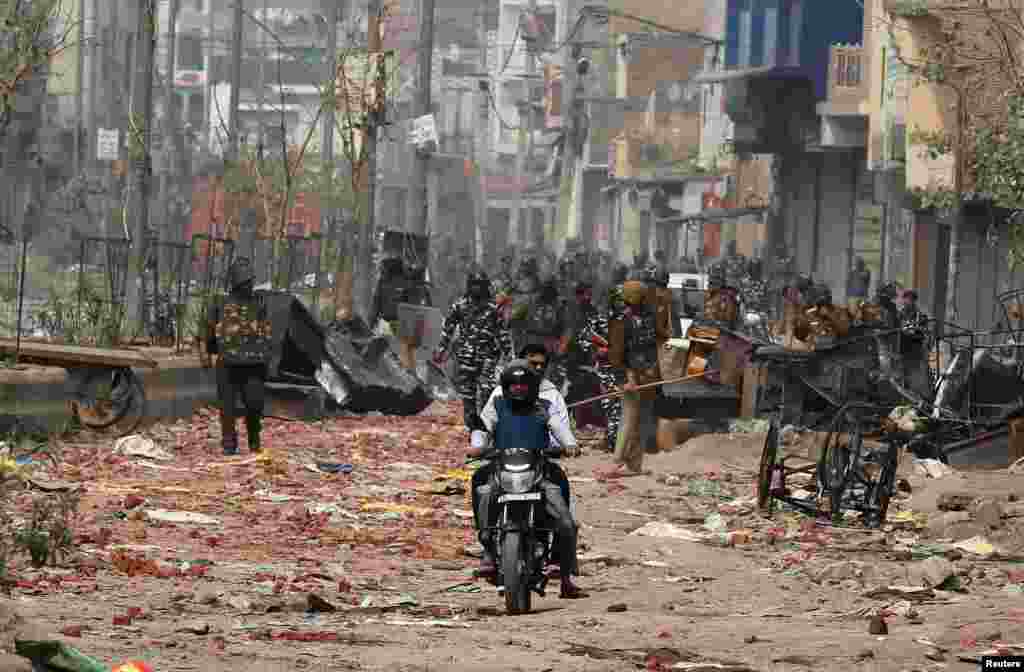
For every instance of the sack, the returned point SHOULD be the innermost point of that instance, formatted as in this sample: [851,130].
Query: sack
[244,333]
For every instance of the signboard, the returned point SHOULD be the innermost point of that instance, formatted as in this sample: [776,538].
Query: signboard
[107,140]
[190,78]
[420,325]
[423,133]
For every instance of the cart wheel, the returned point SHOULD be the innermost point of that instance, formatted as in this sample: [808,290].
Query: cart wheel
[768,456]
[113,395]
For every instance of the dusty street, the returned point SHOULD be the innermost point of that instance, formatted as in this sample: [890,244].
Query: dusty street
[291,567]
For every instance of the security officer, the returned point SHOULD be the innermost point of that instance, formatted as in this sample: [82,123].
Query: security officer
[475,327]
[239,332]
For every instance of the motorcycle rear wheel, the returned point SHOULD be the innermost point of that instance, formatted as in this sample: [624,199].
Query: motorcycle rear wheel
[515,572]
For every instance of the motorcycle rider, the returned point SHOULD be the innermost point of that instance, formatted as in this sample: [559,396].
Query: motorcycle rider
[483,339]
[521,412]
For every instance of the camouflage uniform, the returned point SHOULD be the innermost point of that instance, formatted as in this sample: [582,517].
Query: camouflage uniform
[545,325]
[238,331]
[483,339]
[609,375]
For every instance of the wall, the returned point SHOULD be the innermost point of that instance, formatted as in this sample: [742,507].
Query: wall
[928,109]
[820,190]
[681,15]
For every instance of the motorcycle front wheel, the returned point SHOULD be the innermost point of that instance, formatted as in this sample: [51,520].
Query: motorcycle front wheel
[515,572]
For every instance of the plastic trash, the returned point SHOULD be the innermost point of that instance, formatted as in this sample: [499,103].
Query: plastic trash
[334,468]
[139,446]
[133,666]
[715,523]
[58,656]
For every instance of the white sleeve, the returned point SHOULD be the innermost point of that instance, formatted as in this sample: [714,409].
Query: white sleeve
[559,424]
[489,414]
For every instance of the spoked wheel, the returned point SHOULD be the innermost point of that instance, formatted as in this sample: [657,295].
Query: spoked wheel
[515,574]
[835,471]
[107,397]
[768,456]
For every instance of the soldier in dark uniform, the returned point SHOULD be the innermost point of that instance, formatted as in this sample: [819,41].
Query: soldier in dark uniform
[611,377]
[545,325]
[390,290]
[480,336]
[239,333]
[415,292]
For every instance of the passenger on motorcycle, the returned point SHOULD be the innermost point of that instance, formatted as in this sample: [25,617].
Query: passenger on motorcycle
[521,411]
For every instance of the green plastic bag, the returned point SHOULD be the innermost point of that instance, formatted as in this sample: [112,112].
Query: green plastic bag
[58,657]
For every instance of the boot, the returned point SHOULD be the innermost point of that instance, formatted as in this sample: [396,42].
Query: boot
[252,427]
[229,436]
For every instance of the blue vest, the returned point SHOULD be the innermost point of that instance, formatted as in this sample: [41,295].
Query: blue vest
[515,430]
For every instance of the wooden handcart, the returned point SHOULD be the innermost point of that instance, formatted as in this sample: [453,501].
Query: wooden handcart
[102,386]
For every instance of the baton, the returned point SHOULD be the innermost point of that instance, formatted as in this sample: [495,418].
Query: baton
[646,386]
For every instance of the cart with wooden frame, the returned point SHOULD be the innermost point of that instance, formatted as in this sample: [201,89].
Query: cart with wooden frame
[102,385]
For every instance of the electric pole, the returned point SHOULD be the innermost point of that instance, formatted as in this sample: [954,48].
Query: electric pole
[375,118]
[417,202]
[571,112]
[333,15]
[483,144]
[140,135]
[520,225]
[236,79]
[170,118]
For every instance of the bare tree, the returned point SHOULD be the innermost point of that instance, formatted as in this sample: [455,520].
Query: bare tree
[969,51]
[31,35]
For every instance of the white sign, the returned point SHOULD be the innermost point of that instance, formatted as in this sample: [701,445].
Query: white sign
[107,140]
[189,78]
[423,131]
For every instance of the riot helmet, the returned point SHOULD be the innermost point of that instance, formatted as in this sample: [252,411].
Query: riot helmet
[478,285]
[241,275]
[549,290]
[520,384]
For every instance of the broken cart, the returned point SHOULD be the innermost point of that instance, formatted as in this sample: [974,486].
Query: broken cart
[102,386]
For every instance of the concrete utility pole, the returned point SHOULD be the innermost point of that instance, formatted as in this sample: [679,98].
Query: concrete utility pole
[140,133]
[333,11]
[375,118]
[170,118]
[572,112]
[521,221]
[236,79]
[483,138]
[417,201]
[80,93]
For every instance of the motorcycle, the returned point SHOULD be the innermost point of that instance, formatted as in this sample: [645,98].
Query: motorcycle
[523,544]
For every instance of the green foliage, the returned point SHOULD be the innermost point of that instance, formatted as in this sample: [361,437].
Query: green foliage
[998,159]
[30,43]
[908,8]
[935,198]
[81,315]
[937,144]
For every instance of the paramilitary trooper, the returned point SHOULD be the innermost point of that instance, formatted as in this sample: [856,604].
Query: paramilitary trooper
[239,332]
[476,328]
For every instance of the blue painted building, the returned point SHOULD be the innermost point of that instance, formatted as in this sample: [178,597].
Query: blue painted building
[790,37]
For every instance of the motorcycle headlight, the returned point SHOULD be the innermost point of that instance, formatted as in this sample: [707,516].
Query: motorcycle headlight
[516,483]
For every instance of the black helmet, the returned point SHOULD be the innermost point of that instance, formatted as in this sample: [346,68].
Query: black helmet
[520,384]
[478,284]
[241,273]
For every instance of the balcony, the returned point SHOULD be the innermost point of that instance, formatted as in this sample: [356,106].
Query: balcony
[844,121]
[847,86]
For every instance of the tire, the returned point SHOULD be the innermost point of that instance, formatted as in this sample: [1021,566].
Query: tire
[514,573]
[768,456]
[131,400]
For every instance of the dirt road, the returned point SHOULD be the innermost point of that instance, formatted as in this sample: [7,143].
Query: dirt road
[383,554]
